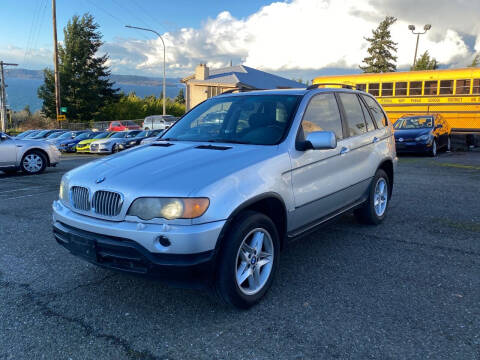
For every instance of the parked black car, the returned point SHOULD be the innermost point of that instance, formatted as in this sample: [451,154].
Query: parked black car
[142,135]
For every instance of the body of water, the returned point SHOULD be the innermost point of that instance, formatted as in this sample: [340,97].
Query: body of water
[21,92]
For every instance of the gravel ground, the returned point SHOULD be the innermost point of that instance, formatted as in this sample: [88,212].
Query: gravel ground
[408,289]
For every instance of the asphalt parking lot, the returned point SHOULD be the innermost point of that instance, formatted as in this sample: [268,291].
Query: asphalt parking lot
[408,289]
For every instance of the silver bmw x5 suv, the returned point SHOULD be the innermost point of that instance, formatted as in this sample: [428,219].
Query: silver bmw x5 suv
[212,203]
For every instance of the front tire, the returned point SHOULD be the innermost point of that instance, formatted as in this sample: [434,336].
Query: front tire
[248,260]
[433,150]
[33,162]
[374,211]
[115,148]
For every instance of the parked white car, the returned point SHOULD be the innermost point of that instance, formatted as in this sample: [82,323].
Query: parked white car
[158,122]
[30,156]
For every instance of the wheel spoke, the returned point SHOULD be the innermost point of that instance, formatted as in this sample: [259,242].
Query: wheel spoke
[254,279]
[264,259]
[243,273]
[247,248]
[258,241]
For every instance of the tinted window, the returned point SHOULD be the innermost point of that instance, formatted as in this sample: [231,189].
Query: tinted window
[374,89]
[463,87]
[376,111]
[353,114]
[387,89]
[400,88]
[430,88]
[368,118]
[322,114]
[446,87]
[416,88]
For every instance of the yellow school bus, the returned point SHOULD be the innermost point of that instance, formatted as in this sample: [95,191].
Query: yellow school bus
[454,93]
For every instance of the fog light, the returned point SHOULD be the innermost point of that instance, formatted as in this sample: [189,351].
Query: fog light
[163,240]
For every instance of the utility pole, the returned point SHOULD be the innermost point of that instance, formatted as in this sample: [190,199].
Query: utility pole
[3,96]
[55,60]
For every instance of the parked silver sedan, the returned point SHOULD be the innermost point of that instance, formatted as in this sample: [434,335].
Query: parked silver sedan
[30,156]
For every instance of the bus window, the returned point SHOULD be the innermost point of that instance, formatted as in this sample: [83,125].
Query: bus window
[387,89]
[361,87]
[400,89]
[415,88]
[463,87]
[476,86]
[446,87]
[430,88]
[374,89]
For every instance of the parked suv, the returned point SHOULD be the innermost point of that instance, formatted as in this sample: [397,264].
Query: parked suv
[158,122]
[214,202]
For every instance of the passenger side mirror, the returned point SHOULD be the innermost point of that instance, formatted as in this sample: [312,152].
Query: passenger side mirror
[321,140]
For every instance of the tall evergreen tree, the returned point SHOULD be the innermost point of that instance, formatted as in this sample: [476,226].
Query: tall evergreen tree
[180,98]
[382,49]
[425,62]
[84,78]
[475,61]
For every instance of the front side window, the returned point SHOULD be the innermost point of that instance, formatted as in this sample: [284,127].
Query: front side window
[374,89]
[353,114]
[401,88]
[446,87]
[249,119]
[322,114]
[415,88]
[376,111]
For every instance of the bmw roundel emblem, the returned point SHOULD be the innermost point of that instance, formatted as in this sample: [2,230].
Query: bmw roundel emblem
[401,140]
[100,180]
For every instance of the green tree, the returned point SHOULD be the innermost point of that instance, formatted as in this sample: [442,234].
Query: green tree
[425,62]
[180,97]
[84,78]
[475,61]
[381,49]
[27,110]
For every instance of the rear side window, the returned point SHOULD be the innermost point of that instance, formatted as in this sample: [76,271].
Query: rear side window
[353,114]
[368,118]
[376,111]
[322,114]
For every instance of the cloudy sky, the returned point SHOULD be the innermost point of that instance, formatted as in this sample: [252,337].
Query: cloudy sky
[297,38]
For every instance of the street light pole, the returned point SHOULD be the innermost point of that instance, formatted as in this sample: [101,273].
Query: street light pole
[412,29]
[161,38]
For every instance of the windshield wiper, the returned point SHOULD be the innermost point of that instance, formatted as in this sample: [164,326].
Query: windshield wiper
[232,141]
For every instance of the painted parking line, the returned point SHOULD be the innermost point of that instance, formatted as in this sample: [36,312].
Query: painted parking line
[29,195]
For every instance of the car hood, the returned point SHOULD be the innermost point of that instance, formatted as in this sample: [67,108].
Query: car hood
[180,169]
[88,141]
[68,141]
[103,141]
[411,133]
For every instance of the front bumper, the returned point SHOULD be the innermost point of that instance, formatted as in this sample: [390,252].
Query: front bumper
[100,150]
[126,255]
[54,156]
[412,147]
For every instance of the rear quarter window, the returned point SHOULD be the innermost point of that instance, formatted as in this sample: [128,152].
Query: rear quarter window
[376,111]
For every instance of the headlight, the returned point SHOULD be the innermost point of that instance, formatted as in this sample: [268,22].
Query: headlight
[63,193]
[169,208]
[422,138]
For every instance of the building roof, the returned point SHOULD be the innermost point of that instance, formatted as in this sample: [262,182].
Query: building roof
[248,77]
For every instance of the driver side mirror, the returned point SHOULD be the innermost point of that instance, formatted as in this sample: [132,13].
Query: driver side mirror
[321,140]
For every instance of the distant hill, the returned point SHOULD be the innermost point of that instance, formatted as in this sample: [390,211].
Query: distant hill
[119,79]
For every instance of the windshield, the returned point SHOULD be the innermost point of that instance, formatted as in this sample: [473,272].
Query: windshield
[142,134]
[39,135]
[83,136]
[55,135]
[414,123]
[25,133]
[249,119]
[101,135]
[119,135]
[132,134]
[66,135]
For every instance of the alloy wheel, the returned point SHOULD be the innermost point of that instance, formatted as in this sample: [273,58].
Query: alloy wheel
[33,163]
[254,261]
[380,197]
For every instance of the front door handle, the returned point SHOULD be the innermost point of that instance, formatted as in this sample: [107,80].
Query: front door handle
[375,139]
[344,150]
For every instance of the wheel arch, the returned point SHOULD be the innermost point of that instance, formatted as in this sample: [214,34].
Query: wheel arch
[271,204]
[387,166]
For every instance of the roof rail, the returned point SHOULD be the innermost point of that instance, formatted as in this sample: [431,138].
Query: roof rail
[233,90]
[344,86]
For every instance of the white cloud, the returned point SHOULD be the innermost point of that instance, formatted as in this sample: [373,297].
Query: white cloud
[308,34]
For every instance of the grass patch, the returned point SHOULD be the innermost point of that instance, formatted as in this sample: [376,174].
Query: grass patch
[473,226]
[457,166]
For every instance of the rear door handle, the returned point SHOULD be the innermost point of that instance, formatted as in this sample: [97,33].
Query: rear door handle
[344,150]
[375,139]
